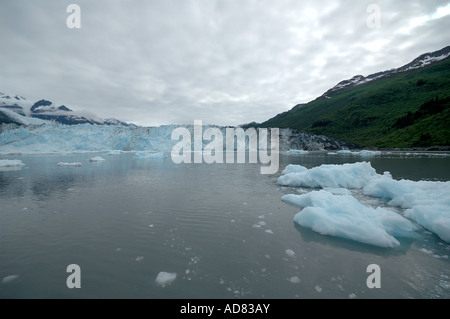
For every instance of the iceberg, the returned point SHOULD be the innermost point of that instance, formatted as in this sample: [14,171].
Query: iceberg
[343,216]
[426,203]
[294,169]
[334,176]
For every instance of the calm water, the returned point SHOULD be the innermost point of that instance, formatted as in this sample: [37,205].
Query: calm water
[125,220]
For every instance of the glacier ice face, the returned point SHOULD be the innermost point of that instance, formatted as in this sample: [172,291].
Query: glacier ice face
[49,137]
[334,211]
[343,216]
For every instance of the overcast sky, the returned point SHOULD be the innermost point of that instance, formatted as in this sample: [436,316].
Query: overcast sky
[225,62]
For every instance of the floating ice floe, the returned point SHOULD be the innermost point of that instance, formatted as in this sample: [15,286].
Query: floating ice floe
[96,159]
[425,202]
[145,155]
[74,164]
[11,163]
[165,278]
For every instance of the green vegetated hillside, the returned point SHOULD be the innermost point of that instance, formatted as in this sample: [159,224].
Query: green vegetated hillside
[408,109]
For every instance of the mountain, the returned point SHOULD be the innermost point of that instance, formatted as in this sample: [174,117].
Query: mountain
[18,110]
[404,107]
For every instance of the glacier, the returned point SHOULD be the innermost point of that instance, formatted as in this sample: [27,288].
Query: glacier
[50,137]
[334,211]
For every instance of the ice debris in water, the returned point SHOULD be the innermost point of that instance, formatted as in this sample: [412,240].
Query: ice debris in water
[10,278]
[425,202]
[96,159]
[297,152]
[165,278]
[11,163]
[148,155]
[74,164]
[294,280]
[290,252]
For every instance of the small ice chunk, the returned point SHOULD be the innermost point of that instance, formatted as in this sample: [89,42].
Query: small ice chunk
[294,280]
[352,296]
[429,252]
[96,159]
[165,278]
[140,258]
[11,163]
[147,155]
[318,289]
[262,223]
[344,152]
[369,153]
[297,152]
[74,164]
[290,252]
[9,279]
[114,152]
[269,231]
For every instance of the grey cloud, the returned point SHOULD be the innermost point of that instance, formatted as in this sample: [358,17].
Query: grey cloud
[221,61]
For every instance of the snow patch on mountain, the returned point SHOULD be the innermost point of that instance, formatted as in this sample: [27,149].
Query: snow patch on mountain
[420,62]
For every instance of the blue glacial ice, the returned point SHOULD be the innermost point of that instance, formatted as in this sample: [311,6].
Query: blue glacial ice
[338,213]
